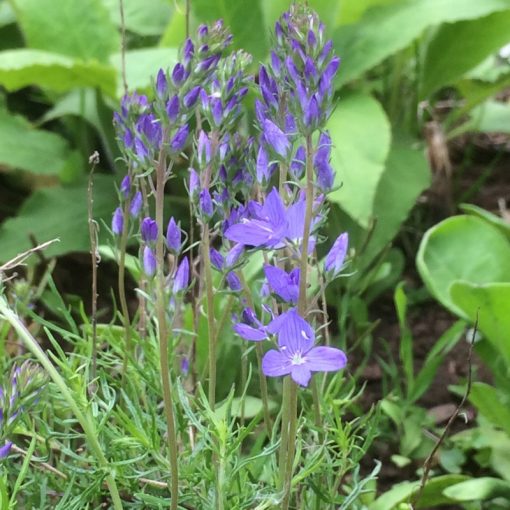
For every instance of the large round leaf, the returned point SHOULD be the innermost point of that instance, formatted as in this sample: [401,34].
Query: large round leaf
[462,248]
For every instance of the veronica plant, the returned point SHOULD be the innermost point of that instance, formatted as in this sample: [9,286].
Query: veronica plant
[248,196]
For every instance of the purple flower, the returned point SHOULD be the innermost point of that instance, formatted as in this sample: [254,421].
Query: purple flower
[203,149]
[140,148]
[323,170]
[234,254]
[149,230]
[217,259]
[262,165]
[181,280]
[149,261]
[194,181]
[178,74]
[172,108]
[297,167]
[297,355]
[185,365]
[178,142]
[268,228]
[285,285]
[173,236]
[136,205]
[188,50]
[234,282]
[5,449]
[161,84]
[191,97]
[276,138]
[206,203]
[336,256]
[249,332]
[125,186]
[118,221]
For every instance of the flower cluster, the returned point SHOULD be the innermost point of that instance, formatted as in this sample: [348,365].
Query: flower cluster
[17,395]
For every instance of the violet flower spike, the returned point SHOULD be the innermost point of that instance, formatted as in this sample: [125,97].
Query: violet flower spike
[178,142]
[297,355]
[125,186]
[283,284]
[276,138]
[217,259]
[336,256]
[234,282]
[161,84]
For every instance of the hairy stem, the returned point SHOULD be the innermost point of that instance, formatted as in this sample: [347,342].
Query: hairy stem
[163,334]
[84,420]
[126,321]
[211,325]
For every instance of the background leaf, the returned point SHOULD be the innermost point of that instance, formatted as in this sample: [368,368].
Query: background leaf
[384,30]
[22,67]
[359,164]
[457,48]
[25,148]
[37,216]
[462,248]
[78,29]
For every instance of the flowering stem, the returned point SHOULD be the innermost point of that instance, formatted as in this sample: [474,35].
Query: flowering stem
[86,424]
[210,314]
[122,289]
[291,445]
[163,334]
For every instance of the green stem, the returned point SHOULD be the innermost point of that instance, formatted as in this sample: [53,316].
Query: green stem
[291,445]
[87,426]
[122,290]
[163,335]
[211,326]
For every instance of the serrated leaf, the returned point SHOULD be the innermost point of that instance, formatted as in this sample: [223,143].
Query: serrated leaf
[33,150]
[359,165]
[58,212]
[81,29]
[384,30]
[22,67]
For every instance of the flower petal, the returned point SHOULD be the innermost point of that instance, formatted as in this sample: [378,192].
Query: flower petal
[325,359]
[295,334]
[249,333]
[276,364]
[301,374]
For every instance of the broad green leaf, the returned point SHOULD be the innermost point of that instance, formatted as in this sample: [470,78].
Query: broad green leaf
[433,493]
[7,15]
[350,12]
[361,135]
[384,30]
[491,301]
[33,150]
[456,48]
[462,248]
[20,68]
[491,404]
[143,65]
[479,489]
[487,216]
[81,29]
[144,17]
[491,117]
[405,176]
[175,31]
[244,18]
[58,212]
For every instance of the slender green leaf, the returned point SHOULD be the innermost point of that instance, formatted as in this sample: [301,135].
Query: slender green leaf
[491,404]
[479,489]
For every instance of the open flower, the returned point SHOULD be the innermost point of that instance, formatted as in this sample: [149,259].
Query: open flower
[297,355]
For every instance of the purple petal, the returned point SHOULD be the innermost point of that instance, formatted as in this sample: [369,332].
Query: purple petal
[325,359]
[117,221]
[149,262]
[276,138]
[181,276]
[301,374]
[275,364]
[249,333]
[136,205]
[336,256]
[273,208]
[295,334]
